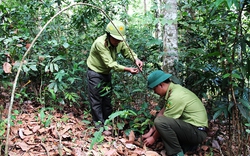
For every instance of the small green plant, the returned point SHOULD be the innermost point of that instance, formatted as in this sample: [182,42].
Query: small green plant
[143,119]
[46,119]
[123,114]
[2,124]
[97,138]
[248,130]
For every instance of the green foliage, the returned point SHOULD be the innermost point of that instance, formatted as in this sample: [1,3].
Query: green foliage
[244,108]
[2,124]
[143,119]
[44,117]
[248,130]
[98,137]
[214,56]
[125,114]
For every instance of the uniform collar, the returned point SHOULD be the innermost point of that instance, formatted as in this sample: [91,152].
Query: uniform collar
[169,91]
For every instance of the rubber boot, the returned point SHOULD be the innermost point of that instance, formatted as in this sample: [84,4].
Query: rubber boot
[180,154]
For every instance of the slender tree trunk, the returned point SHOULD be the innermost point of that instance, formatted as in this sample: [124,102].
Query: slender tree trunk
[170,34]
[157,15]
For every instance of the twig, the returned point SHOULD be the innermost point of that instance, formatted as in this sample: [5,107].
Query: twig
[47,151]
[60,146]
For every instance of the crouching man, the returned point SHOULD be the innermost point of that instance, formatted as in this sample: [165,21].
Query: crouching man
[182,122]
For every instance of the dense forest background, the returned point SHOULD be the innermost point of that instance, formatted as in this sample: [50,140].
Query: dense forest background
[213,61]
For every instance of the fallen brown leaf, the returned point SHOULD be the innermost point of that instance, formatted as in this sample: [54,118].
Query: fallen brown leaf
[106,133]
[65,129]
[130,146]
[20,133]
[36,128]
[42,130]
[151,153]
[204,148]
[139,151]
[120,150]
[7,67]
[95,153]
[24,146]
[78,152]
[111,152]
[69,151]
[27,132]
[131,137]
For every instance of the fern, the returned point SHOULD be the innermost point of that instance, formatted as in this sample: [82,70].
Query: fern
[97,138]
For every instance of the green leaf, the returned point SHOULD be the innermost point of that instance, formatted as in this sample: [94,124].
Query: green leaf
[97,137]
[16,112]
[65,45]
[60,75]
[248,68]
[42,115]
[218,2]
[248,131]
[46,68]
[56,67]
[217,114]
[58,58]
[245,103]
[53,95]
[33,67]
[25,69]
[137,90]
[236,76]
[244,112]
[51,67]
[120,125]
[226,75]
[229,3]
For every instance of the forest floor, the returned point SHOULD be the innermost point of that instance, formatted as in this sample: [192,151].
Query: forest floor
[59,133]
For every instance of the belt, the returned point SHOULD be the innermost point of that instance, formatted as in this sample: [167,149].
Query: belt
[205,129]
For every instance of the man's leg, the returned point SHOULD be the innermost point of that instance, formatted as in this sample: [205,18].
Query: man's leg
[107,106]
[95,99]
[175,133]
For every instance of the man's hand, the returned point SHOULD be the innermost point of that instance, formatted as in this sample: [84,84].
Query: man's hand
[133,70]
[139,63]
[149,141]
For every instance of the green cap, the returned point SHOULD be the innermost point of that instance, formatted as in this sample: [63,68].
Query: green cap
[157,77]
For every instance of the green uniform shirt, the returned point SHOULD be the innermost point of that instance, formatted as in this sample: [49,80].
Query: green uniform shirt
[183,104]
[102,57]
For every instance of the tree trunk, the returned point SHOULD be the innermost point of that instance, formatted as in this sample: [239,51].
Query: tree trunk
[170,34]
[157,15]
[145,6]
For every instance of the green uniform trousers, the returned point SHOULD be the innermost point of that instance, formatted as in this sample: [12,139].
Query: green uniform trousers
[178,135]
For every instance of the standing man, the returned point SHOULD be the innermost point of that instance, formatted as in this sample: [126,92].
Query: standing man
[101,60]
[182,122]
